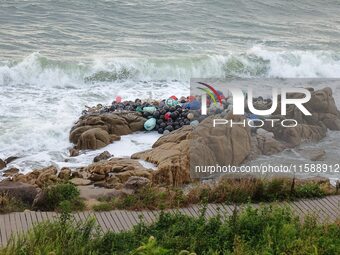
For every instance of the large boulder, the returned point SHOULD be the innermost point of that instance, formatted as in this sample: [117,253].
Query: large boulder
[224,145]
[186,147]
[97,131]
[21,191]
[171,155]
[93,139]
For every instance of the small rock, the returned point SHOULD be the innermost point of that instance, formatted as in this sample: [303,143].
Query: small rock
[80,181]
[65,173]
[114,138]
[10,159]
[2,164]
[74,152]
[136,182]
[102,156]
[76,174]
[97,177]
[10,172]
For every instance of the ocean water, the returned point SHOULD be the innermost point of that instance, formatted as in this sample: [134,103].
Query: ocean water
[57,56]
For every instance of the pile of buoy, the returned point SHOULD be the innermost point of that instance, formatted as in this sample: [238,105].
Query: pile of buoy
[166,119]
[162,116]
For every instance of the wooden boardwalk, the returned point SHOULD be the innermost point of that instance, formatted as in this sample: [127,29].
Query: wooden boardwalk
[326,209]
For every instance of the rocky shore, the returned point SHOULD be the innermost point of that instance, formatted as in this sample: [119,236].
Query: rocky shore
[173,151]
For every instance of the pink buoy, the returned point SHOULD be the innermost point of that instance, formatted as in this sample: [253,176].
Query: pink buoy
[118,99]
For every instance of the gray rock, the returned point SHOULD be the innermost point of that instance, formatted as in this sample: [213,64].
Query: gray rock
[136,182]
[2,164]
[10,159]
[102,156]
[97,177]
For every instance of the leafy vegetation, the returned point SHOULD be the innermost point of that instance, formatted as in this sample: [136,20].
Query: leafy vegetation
[266,230]
[63,195]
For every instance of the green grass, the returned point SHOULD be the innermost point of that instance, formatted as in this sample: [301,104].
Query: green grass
[230,191]
[266,230]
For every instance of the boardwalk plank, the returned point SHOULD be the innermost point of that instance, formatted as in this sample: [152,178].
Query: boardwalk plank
[121,218]
[116,220]
[3,236]
[107,221]
[115,227]
[131,218]
[24,222]
[100,222]
[126,219]
[14,223]
[39,216]
[8,226]
[329,207]
[335,200]
[18,222]
[331,201]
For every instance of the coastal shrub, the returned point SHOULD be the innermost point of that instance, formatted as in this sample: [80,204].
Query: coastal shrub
[151,198]
[56,196]
[60,237]
[102,206]
[264,230]
[309,190]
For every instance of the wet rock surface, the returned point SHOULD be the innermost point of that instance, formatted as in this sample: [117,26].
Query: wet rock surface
[97,131]
[102,156]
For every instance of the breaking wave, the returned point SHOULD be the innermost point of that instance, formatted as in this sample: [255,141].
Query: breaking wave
[256,62]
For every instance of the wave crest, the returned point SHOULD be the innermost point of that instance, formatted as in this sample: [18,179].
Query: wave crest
[256,62]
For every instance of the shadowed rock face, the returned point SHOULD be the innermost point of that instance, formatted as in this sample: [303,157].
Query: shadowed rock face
[21,191]
[97,131]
